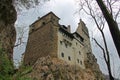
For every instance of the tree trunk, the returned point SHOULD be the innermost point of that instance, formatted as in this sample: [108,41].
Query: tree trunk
[113,26]
[8,16]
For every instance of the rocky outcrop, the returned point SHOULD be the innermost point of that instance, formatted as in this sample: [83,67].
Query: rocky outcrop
[8,17]
[47,68]
[91,62]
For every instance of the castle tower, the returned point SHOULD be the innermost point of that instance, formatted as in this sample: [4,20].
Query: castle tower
[42,39]
[83,31]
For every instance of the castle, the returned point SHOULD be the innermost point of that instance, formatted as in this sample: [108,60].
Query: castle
[48,37]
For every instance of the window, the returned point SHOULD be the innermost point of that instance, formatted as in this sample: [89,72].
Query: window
[69,58]
[81,39]
[76,43]
[78,60]
[43,23]
[32,29]
[79,53]
[81,62]
[61,42]
[62,54]
[66,45]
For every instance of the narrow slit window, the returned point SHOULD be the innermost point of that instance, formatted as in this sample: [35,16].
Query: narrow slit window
[78,60]
[81,62]
[62,54]
[79,53]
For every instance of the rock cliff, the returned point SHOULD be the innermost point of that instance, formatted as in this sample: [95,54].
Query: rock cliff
[8,16]
[47,68]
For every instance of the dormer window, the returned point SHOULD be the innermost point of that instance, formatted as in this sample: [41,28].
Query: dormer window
[81,39]
[32,28]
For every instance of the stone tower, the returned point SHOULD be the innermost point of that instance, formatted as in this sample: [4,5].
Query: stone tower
[42,39]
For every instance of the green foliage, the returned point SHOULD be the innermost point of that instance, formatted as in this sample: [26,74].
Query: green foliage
[7,71]
[20,4]
[6,66]
[23,78]
[22,72]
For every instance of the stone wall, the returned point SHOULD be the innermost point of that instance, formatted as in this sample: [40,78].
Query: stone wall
[41,42]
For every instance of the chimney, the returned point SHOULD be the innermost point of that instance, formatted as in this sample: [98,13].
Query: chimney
[68,28]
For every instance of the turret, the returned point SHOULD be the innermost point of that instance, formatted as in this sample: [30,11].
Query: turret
[82,29]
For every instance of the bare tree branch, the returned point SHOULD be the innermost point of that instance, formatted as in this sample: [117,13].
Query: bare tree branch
[118,12]
[100,23]
[101,49]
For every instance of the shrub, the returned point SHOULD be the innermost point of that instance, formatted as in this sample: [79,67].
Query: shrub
[6,66]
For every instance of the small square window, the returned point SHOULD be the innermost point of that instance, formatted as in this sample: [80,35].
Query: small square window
[69,58]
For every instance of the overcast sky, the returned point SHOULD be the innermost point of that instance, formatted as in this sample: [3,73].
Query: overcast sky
[66,11]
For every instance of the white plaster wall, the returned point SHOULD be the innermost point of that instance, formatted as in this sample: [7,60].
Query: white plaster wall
[72,51]
[79,56]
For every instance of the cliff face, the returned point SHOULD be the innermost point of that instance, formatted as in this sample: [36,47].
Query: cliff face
[47,68]
[8,17]
[91,63]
